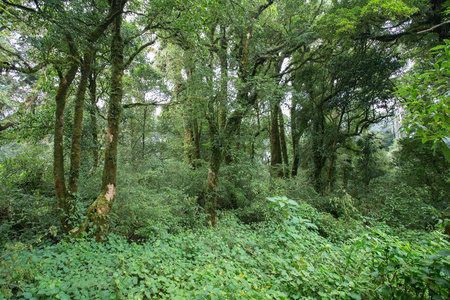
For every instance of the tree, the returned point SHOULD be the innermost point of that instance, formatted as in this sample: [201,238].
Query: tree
[354,93]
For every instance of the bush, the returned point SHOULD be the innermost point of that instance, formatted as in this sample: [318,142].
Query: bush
[155,198]
[399,205]
[27,205]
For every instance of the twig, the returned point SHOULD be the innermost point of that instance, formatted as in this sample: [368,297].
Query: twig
[246,250]
[16,286]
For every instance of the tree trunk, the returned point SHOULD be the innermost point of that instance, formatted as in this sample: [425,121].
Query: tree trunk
[93,118]
[299,123]
[197,131]
[66,200]
[283,145]
[78,121]
[330,176]
[275,146]
[223,94]
[143,130]
[331,170]
[188,140]
[99,212]
[255,134]
[65,204]
[192,130]
[221,135]
[319,157]
[80,98]
[223,99]
[211,184]
[192,135]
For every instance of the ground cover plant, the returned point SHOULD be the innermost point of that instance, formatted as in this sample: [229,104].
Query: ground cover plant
[273,260]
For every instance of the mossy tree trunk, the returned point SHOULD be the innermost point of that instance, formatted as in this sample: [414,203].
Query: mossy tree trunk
[75,152]
[192,130]
[224,126]
[283,144]
[93,118]
[215,162]
[318,144]
[64,202]
[99,212]
[299,123]
[278,151]
[276,160]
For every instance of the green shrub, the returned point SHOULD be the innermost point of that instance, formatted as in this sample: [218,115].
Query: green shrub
[399,205]
[155,198]
[27,204]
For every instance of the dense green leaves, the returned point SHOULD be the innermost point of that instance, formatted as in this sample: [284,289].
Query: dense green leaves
[427,101]
[286,260]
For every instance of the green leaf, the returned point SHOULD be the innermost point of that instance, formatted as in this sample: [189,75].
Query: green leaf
[446,148]
[438,47]
[292,202]
[271,199]
[443,283]
[410,280]
[444,253]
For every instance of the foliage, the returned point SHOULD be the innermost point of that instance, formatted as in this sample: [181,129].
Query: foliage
[427,101]
[398,205]
[26,194]
[156,198]
[359,214]
[420,167]
[286,259]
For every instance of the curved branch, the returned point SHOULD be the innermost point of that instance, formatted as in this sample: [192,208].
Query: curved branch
[136,53]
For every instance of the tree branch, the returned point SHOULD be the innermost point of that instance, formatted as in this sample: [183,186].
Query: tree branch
[6,126]
[21,7]
[434,27]
[153,103]
[136,53]
[24,70]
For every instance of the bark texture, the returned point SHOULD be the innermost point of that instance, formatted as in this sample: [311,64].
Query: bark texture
[80,99]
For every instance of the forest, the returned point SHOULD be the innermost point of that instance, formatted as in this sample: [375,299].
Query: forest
[225,149]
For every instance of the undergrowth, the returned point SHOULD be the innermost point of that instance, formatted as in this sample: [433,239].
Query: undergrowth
[285,258]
